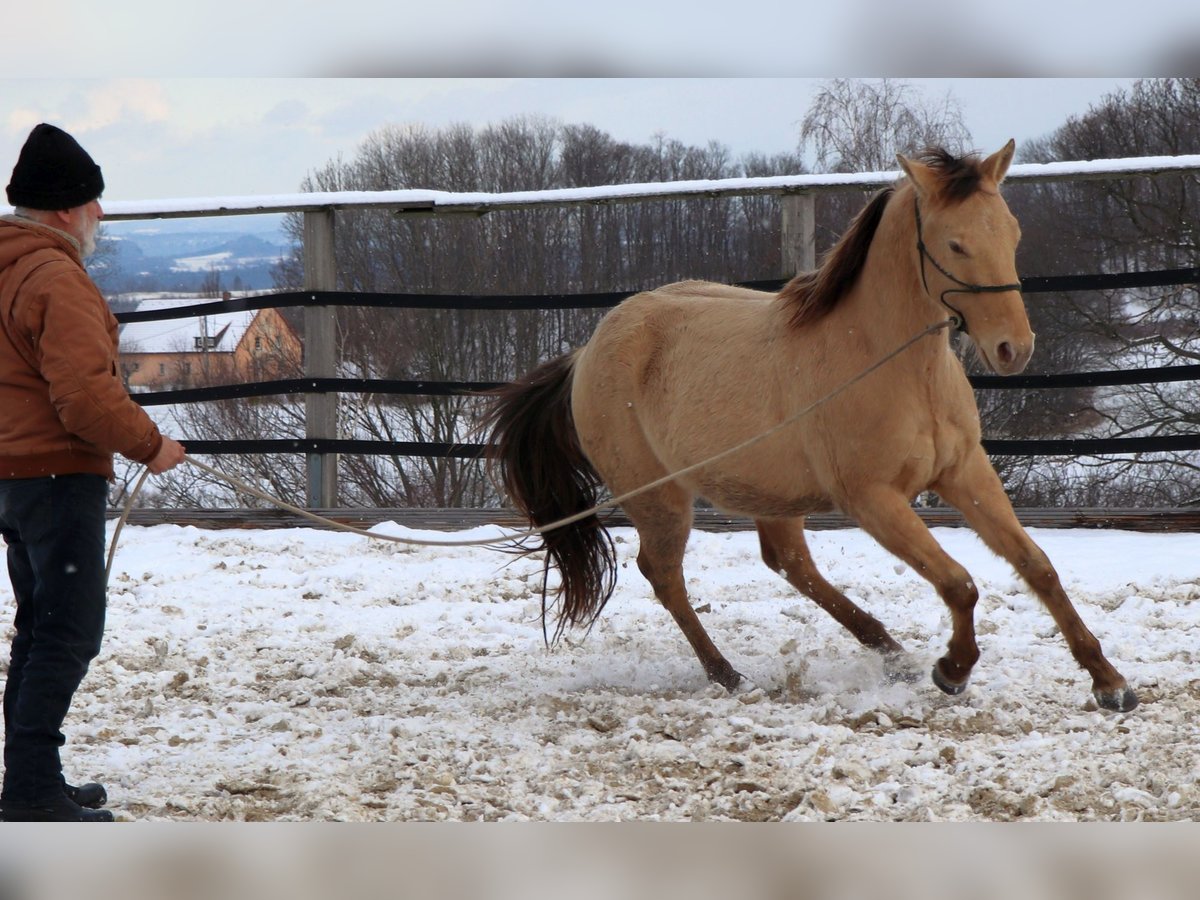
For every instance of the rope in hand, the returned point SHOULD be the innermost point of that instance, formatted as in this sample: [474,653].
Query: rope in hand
[516,537]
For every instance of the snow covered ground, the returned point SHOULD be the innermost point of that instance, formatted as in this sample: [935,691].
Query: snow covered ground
[306,675]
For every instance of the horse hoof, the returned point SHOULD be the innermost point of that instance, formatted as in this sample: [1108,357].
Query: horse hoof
[899,668]
[728,678]
[1123,699]
[950,687]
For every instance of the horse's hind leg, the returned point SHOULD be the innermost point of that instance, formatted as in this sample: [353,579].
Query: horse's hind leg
[663,518]
[785,550]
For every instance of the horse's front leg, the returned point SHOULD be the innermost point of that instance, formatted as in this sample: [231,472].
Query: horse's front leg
[976,490]
[885,514]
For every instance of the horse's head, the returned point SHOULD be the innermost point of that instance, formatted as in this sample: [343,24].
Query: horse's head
[966,245]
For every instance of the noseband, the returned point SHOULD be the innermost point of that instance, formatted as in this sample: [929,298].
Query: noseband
[960,321]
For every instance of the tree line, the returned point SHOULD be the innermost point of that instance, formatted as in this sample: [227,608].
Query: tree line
[1068,228]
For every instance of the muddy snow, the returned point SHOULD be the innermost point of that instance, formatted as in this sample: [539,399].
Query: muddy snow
[307,675]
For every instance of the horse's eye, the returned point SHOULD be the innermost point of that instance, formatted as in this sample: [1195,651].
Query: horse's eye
[958,248]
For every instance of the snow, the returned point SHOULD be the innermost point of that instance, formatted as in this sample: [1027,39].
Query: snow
[223,330]
[445,200]
[221,260]
[312,675]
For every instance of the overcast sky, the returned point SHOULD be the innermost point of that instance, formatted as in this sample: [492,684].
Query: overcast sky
[234,98]
[190,137]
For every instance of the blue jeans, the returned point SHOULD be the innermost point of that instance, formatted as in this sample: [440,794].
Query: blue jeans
[54,529]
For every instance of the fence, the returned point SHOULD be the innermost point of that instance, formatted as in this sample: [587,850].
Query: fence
[321,385]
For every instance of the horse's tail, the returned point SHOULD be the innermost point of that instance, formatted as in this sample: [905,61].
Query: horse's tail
[532,438]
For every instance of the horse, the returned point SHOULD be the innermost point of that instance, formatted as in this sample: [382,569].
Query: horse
[673,377]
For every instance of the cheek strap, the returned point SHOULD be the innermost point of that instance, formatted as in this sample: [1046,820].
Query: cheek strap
[966,287]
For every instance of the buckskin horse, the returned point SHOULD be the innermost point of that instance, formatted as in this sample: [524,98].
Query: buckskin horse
[675,376]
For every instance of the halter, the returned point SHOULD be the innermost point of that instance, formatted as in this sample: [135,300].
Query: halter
[967,287]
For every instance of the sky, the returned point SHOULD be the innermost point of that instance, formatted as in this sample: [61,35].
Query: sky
[238,99]
[549,37]
[162,138]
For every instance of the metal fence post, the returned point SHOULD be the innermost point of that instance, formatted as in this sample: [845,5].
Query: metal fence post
[799,234]
[320,355]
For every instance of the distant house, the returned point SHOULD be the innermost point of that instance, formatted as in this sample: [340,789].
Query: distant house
[223,348]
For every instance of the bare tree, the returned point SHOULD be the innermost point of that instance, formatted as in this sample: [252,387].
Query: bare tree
[210,286]
[859,125]
[566,250]
[1119,225]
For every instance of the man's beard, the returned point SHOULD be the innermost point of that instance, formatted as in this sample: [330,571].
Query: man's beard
[87,242]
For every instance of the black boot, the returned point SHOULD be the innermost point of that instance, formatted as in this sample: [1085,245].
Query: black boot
[56,809]
[91,795]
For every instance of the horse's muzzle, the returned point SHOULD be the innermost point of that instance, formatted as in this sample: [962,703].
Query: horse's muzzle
[1009,357]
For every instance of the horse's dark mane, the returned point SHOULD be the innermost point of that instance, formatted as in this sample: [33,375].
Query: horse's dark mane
[958,176]
[810,295]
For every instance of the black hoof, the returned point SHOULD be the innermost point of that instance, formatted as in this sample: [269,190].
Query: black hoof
[1123,699]
[728,678]
[950,687]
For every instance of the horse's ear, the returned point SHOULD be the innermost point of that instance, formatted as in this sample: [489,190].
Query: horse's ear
[996,166]
[923,178]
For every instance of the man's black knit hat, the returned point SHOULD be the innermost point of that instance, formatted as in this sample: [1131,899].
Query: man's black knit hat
[54,172]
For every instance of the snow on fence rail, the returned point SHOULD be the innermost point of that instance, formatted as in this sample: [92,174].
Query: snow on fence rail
[428,201]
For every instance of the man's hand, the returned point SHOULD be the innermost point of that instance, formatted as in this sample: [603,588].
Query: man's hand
[169,455]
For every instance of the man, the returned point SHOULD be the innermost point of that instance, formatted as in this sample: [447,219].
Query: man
[64,412]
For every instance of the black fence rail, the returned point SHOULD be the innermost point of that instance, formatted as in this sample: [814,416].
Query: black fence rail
[294,386]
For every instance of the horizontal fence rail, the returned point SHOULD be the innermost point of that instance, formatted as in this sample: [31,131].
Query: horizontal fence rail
[305,386]
[604,300]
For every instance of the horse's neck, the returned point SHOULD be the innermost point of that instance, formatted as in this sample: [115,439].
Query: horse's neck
[889,299]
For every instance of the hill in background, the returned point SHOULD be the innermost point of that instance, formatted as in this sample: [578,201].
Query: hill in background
[189,255]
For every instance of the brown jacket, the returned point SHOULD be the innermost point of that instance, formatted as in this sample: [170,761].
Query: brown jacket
[63,406]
